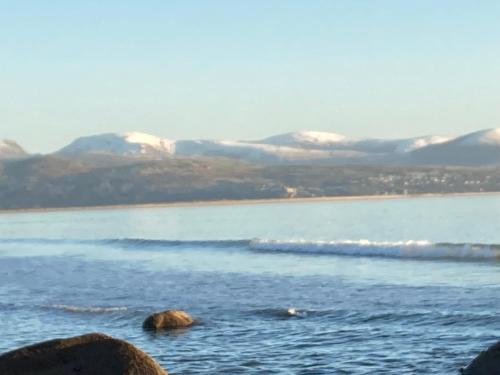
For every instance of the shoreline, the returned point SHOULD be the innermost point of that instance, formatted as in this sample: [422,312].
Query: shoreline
[232,202]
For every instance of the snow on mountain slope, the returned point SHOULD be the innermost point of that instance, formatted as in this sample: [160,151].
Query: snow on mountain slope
[333,141]
[483,137]
[408,145]
[139,144]
[10,149]
[247,150]
[477,148]
[306,138]
[126,144]
[153,141]
[290,147]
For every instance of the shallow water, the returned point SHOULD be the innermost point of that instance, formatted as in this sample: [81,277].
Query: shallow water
[390,287]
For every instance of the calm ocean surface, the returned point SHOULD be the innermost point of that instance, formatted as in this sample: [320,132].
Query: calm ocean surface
[379,287]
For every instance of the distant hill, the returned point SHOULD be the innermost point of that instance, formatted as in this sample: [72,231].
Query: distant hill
[474,149]
[10,149]
[137,168]
[97,180]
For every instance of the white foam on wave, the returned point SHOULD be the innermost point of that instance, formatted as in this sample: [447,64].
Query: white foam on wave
[88,309]
[291,311]
[397,249]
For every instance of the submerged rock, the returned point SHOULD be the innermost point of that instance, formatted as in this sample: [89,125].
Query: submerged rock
[486,363]
[169,319]
[89,354]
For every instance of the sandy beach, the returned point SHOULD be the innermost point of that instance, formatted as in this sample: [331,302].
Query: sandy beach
[247,202]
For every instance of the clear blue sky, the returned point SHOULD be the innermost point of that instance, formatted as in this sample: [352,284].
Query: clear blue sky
[246,69]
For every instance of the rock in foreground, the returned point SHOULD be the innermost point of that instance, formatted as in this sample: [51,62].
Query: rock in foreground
[169,319]
[486,363]
[89,354]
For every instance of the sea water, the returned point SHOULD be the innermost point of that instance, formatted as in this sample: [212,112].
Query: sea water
[399,286]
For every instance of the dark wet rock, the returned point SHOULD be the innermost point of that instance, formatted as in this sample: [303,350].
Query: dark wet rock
[89,354]
[169,319]
[486,363]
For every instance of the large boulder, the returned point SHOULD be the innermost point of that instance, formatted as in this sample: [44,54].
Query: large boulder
[89,354]
[486,363]
[169,319]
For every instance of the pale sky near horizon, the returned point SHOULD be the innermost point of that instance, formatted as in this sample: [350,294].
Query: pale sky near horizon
[237,69]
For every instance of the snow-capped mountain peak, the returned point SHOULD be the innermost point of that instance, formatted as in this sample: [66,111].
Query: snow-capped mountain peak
[130,143]
[161,144]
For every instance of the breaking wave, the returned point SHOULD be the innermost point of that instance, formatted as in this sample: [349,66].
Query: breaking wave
[398,249]
[365,248]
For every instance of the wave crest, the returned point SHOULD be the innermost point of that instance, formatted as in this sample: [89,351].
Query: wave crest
[366,248]
[397,249]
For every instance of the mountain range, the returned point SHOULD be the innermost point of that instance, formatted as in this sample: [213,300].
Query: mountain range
[480,148]
[137,168]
